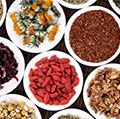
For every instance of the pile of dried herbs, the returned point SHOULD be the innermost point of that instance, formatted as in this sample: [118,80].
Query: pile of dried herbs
[68,117]
[117,2]
[1,9]
[76,1]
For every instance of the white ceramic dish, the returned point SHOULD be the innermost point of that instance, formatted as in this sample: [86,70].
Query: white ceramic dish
[113,5]
[76,6]
[46,45]
[88,80]
[15,97]
[68,28]
[4,12]
[26,81]
[72,111]
[12,84]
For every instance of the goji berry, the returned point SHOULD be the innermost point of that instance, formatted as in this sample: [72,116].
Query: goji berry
[46,81]
[32,90]
[39,98]
[42,61]
[40,92]
[53,95]
[56,78]
[53,88]
[46,98]
[56,68]
[49,71]
[63,102]
[64,60]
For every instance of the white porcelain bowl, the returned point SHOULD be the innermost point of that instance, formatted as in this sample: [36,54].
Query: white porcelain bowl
[46,45]
[4,12]
[16,97]
[68,28]
[12,84]
[76,6]
[48,54]
[115,8]
[87,83]
[72,111]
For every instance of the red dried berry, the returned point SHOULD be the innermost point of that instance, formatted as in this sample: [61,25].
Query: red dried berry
[32,90]
[49,71]
[56,68]
[64,60]
[42,61]
[53,88]
[40,99]
[56,78]
[40,92]
[46,81]
[46,98]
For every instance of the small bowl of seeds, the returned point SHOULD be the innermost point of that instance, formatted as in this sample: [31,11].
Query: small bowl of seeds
[115,4]
[3,9]
[17,107]
[76,4]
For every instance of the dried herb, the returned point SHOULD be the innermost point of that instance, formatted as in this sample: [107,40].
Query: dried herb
[76,1]
[1,9]
[104,92]
[69,117]
[8,65]
[117,2]
[95,36]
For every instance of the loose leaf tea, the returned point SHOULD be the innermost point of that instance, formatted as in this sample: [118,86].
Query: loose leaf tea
[117,2]
[76,1]
[95,36]
[1,9]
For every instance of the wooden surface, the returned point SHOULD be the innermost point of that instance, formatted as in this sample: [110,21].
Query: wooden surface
[79,104]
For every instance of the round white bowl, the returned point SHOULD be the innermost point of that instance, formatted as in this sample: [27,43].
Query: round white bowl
[68,28]
[72,111]
[16,97]
[46,45]
[26,81]
[4,12]
[115,8]
[76,6]
[12,84]
[85,94]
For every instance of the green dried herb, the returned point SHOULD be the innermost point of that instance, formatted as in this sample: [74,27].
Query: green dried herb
[117,2]
[68,117]
[76,1]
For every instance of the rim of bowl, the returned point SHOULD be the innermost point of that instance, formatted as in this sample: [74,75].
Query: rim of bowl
[68,28]
[76,6]
[114,6]
[4,12]
[29,50]
[72,111]
[41,104]
[86,84]
[17,97]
